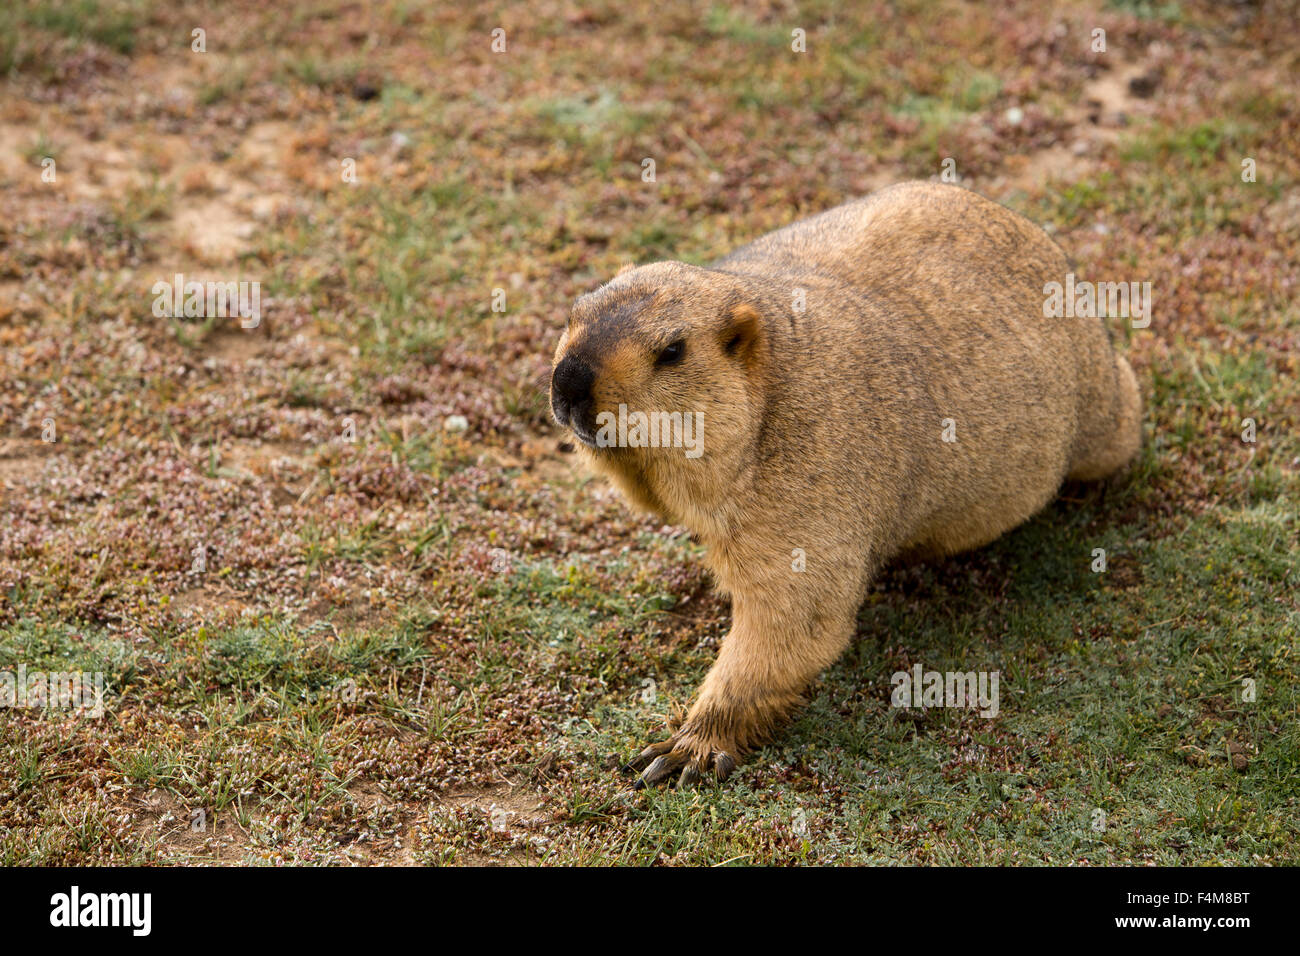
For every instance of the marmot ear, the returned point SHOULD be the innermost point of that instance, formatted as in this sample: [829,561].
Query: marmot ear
[742,335]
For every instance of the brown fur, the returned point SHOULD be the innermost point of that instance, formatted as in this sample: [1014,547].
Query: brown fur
[822,429]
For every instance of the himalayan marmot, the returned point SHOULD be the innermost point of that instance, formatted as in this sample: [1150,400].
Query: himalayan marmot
[874,381]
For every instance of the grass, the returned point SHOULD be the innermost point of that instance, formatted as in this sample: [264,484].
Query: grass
[419,634]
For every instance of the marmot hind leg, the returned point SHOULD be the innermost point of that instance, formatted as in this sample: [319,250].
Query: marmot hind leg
[1120,442]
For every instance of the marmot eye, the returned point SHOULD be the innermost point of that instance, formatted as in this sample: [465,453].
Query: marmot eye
[672,354]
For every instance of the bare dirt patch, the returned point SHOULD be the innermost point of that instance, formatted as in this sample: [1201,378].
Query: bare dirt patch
[22,461]
[505,803]
[230,343]
[1105,109]
[210,603]
[186,832]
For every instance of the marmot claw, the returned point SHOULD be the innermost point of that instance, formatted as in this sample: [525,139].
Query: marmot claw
[658,762]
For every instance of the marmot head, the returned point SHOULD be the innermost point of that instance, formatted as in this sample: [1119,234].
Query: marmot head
[665,348]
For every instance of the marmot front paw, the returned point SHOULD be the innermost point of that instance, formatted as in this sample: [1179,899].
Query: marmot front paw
[697,760]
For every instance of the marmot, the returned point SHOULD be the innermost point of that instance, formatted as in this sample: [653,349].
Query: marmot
[873,381]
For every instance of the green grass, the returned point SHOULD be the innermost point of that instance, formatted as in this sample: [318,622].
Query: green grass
[110,23]
[1149,9]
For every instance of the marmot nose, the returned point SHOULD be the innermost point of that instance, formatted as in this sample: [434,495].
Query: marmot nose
[572,381]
